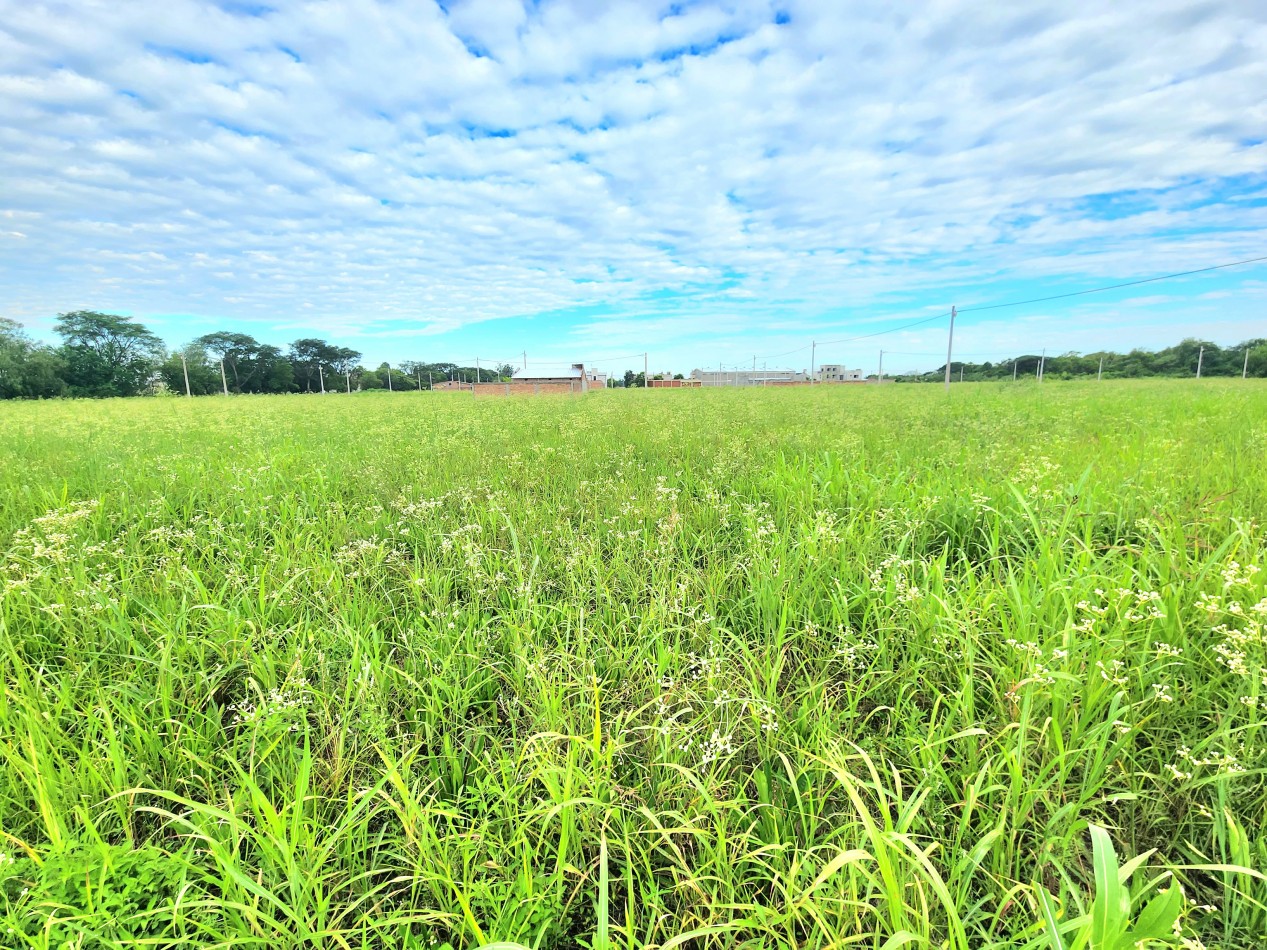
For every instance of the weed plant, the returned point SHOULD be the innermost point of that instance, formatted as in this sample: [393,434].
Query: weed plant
[850,667]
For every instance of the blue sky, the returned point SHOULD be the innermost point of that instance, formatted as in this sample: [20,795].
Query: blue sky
[708,182]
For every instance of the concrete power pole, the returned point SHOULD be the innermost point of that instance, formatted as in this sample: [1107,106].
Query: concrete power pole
[1038,373]
[950,347]
[1099,373]
[813,352]
[880,374]
[1013,370]
[389,376]
[646,373]
[185,367]
[1200,359]
[223,382]
[348,374]
[1245,367]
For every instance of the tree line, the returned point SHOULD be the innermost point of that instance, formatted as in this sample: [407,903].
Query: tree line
[1179,360]
[103,354]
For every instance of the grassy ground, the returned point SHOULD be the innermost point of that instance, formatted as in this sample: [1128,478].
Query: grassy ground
[849,667]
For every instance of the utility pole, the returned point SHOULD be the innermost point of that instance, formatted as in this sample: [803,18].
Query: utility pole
[950,346]
[881,373]
[223,382]
[961,372]
[348,374]
[429,383]
[646,383]
[1099,373]
[321,376]
[1038,373]
[1245,368]
[389,376]
[418,370]
[1013,370]
[477,370]
[1200,359]
[185,367]
[813,351]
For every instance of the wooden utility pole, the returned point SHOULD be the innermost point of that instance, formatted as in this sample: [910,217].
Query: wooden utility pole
[223,382]
[185,367]
[950,346]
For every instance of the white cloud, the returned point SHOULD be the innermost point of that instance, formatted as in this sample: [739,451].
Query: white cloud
[392,168]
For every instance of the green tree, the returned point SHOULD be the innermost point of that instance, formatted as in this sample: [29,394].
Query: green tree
[204,371]
[106,354]
[314,361]
[241,355]
[27,369]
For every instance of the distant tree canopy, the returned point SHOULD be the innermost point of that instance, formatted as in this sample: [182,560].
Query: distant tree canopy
[1178,360]
[107,355]
[28,369]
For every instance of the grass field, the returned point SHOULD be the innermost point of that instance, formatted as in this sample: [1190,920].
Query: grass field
[847,667]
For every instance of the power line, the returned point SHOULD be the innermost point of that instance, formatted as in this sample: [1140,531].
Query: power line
[1098,290]
[906,326]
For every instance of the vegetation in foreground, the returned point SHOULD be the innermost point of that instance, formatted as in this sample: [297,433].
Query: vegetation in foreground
[851,667]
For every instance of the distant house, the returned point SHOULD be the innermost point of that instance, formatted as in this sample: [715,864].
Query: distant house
[836,373]
[576,378]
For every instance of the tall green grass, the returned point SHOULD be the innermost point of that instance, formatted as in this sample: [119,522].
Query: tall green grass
[849,667]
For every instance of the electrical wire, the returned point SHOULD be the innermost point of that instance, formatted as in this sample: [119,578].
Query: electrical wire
[1098,290]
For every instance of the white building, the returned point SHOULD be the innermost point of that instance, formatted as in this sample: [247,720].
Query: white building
[748,377]
[837,373]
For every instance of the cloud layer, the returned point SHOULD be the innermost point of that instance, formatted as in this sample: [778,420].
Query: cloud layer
[626,174]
